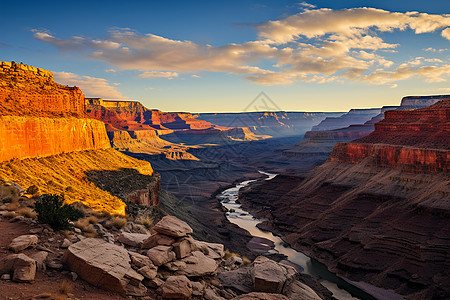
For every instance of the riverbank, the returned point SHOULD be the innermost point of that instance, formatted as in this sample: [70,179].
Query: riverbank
[341,288]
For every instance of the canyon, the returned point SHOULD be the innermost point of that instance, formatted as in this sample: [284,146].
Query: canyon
[377,210]
[47,140]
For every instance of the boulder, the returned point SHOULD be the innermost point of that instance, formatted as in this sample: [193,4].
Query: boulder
[148,272]
[160,255]
[198,265]
[40,258]
[233,262]
[102,264]
[176,287]
[268,276]
[212,250]
[22,242]
[182,248]
[21,266]
[175,265]
[239,280]
[66,243]
[132,239]
[262,296]
[140,260]
[209,294]
[172,226]
[157,239]
[197,288]
[299,290]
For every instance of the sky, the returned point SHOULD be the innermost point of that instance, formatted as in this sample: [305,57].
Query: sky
[217,56]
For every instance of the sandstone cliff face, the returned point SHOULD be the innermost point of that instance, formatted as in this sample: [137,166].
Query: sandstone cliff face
[39,117]
[24,137]
[26,90]
[132,115]
[414,140]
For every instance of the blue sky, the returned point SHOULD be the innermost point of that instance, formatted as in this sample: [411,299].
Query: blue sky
[215,56]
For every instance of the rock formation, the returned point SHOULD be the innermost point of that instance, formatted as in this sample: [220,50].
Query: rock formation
[414,140]
[39,117]
[42,121]
[317,144]
[377,210]
[275,124]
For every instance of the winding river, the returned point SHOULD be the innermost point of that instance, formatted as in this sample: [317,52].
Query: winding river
[341,289]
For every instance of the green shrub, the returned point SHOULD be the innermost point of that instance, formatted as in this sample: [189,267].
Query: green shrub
[52,211]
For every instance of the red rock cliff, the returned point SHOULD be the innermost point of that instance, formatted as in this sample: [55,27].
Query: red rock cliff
[39,117]
[414,140]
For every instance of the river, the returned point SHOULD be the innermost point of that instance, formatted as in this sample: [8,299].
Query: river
[340,288]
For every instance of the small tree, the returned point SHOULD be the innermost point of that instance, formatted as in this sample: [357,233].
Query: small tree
[52,211]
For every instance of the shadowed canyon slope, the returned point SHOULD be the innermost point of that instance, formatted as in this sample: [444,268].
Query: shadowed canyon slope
[377,210]
[47,140]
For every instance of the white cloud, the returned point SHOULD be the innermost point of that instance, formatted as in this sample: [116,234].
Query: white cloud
[195,76]
[315,45]
[156,74]
[306,5]
[91,86]
[446,33]
[110,71]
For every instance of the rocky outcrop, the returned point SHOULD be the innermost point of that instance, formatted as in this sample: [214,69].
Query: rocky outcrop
[318,143]
[148,196]
[27,90]
[414,140]
[39,117]
[421,101]
[409,159]
[22,267]
[102,264]
[133,116]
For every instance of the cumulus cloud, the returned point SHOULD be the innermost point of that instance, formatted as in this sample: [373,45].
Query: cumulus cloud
[315,45]
[446,33]
[91,86]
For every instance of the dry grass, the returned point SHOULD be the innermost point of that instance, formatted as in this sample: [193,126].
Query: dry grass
[27,212]
[229,254]
[13,206]
[69,170]
[85,225]
[119,221]
[92,220]
[146,220]
[10,215]
[8,193]
[246,261]
[66,287]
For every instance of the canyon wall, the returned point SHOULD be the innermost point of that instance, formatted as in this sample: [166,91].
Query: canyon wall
[421,101]
[132,115]
[40,121]
[272,123]
[377,210]
[39,117]
[26,90]
[414,140]
[25,137]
